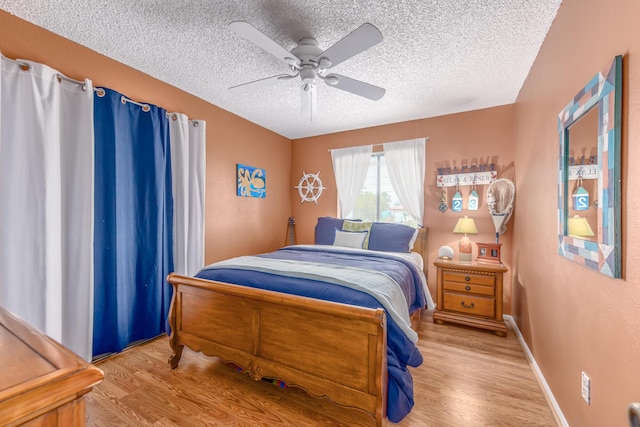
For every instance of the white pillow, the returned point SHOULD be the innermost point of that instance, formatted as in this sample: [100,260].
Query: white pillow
[350,239]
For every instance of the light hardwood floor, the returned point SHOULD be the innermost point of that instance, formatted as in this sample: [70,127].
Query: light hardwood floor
[469,377]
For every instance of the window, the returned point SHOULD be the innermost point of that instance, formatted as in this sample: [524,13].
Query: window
[377,200]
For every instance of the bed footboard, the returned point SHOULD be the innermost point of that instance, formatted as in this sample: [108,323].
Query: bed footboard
[327,349]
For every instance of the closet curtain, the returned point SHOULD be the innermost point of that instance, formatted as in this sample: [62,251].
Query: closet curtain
[46,202]
[133,222]
[188,140]
[350,166]
[406,167]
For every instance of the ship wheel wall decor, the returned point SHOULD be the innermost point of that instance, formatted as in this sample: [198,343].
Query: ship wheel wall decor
[310,187]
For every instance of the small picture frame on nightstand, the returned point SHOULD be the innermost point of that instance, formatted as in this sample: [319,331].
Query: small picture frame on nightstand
[489,252]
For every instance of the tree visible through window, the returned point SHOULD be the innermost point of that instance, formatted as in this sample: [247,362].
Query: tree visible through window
[377,200]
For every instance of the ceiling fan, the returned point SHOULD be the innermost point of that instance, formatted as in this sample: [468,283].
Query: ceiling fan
[308,61]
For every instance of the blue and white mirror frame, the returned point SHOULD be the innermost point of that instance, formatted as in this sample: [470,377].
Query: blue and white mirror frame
[603,92]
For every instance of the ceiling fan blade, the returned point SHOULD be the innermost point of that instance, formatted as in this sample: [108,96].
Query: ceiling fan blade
[259,84]
[359,40]
[251,33]
[355,86]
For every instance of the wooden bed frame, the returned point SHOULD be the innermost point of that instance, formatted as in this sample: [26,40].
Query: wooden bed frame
[328,349]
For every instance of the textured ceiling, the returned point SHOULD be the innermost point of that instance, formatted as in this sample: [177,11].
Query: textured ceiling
[437,57]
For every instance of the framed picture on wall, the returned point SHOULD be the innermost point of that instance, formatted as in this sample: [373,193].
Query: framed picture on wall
[489,252]
[252,181]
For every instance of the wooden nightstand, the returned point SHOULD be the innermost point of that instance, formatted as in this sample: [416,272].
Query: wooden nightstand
[470,293]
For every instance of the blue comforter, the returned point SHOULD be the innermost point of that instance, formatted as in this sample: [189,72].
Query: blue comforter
[401,349]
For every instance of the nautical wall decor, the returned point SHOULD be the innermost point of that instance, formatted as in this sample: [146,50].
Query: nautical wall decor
[473,198]
[310,187]
[443,201]
[252,181]
[580,197]
[583,168]
[466,175]
[456,202]
[481,174]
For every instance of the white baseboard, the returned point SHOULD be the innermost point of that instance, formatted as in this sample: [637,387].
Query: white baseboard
[555,408]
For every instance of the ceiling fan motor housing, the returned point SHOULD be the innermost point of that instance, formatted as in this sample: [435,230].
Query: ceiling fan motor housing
[308,51]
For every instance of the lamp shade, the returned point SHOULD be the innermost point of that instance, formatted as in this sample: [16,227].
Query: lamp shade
[465,225]
[579,227]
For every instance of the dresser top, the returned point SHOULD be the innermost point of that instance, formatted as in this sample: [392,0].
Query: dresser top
[488,266]
[36,370]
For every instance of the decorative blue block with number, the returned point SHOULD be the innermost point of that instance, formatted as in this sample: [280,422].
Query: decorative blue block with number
[473,201]
[456,202]
[580,199]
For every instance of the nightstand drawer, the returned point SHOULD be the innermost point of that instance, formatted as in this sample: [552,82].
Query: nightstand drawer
[465,277]
[468,304]
[471,288]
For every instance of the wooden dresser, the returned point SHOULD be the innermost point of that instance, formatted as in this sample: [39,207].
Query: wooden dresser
[41,382]
[470,293]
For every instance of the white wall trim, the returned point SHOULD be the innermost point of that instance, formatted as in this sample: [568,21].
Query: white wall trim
[555,408]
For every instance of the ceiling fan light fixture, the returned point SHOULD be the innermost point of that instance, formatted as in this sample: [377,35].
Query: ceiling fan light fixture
[308,74]
[310,62]
[308,100]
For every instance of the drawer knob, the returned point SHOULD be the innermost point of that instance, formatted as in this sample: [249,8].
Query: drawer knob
[467,288]
[467,278]
[472,305]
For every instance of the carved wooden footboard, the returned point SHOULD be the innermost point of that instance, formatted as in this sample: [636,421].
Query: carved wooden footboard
[327,349]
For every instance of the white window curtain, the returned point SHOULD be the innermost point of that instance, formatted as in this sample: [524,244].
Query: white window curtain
[46,201]
[188,141]
[406,166]
[350,167]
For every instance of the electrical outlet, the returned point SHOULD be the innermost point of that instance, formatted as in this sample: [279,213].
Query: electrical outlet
[586,388]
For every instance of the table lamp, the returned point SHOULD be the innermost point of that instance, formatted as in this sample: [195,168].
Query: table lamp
[579,227]
[465,226]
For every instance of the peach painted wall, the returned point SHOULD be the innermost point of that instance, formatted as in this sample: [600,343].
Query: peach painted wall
[573,318]
[482,136]
[234,225]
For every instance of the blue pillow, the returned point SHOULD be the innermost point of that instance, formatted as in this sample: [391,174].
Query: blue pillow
[390,237]
[326,229]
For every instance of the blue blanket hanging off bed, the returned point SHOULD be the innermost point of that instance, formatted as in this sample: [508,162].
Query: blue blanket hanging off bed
[266,272]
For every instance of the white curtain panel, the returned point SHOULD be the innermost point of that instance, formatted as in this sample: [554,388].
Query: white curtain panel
[350,166]
[46,202]
[188,160]
[406,166]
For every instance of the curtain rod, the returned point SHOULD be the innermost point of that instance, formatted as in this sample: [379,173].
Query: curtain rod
[145,107]
[25,66]
[426,138]
[101,92]
[373,145]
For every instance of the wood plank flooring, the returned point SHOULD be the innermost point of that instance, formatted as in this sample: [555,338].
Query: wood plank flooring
[469,377]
